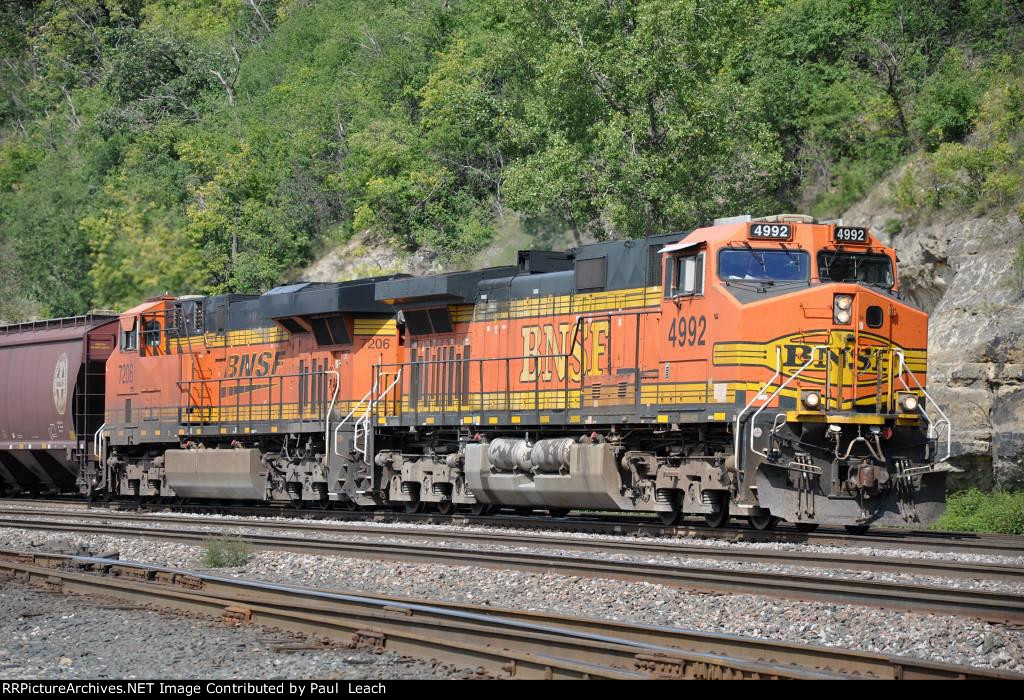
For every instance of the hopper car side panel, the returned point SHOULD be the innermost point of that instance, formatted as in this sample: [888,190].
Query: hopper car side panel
[51,400]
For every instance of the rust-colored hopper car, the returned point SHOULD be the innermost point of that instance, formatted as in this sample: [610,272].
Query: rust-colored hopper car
[52,376]
[763,368]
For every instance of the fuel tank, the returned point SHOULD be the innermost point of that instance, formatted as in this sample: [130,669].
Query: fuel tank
[216,473]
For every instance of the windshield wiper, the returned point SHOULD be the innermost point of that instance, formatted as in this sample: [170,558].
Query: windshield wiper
[878,285]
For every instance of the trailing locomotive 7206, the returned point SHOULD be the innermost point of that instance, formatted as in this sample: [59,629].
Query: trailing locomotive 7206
[759,368]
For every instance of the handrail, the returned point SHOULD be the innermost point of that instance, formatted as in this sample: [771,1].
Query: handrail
[932,426]
[349,415]
[365,415]
[739,416]
[96,438]
[365,418]
[330,410]
[753,418]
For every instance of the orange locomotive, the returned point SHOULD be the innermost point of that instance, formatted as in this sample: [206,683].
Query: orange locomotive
[229,397]
[763,368]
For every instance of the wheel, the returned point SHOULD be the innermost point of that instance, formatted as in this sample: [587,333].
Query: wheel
[446,507]
[324,503]
[298,504]
[856,529]
[480,509]
[764,521]
[672,517]
[558,512]
[806,527]
[414,506]
[350,505]
[720,517]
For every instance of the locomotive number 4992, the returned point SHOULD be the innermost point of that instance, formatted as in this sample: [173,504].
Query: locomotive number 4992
[687,331]
[771,232]
[850,234]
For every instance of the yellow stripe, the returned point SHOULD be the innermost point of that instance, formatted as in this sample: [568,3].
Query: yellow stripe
[568,304]
[374,326]
[461,313]
[251,336]
[822,417]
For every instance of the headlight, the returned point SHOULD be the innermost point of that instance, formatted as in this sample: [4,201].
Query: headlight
[811,399]
[908,402]
[841,306]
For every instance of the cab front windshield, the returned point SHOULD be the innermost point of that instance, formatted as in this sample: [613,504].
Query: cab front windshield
[753,264]
[835,266]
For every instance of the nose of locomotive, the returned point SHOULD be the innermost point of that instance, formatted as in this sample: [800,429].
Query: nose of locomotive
[863,362]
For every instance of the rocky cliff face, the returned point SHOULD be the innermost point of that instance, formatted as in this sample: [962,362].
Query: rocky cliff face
[961,271]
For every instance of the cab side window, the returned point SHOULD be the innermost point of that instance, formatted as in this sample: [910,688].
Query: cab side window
[684,275]
[130,338]
[151,334]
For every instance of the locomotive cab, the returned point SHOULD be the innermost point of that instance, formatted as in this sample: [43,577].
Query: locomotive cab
[831,418]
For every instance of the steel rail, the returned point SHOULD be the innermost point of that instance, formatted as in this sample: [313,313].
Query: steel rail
[926,567]
[509,643]
[615,524]
[994,606]
[502,647]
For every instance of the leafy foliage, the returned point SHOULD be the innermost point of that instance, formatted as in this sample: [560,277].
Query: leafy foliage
[152,146]
[976,511]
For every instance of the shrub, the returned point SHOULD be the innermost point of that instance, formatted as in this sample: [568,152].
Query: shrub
[976,511]
[948,101]
[221,552]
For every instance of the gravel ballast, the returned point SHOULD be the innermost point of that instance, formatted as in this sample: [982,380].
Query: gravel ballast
[934,637]
[408,536]
[49,637]
[703,541]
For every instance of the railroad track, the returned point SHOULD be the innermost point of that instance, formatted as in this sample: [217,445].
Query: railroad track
[639,547]
[990,605]
[504,643]
[917,540]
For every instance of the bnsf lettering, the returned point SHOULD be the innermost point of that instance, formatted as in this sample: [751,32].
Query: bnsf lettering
[796,356]
[257,364]
[551,348]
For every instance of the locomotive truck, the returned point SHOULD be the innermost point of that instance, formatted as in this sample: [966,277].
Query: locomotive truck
[763,368]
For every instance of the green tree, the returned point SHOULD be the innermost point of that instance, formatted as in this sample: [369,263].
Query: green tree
[245,242]
[642,100]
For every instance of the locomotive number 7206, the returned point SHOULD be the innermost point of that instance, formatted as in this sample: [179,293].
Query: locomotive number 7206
[687,331]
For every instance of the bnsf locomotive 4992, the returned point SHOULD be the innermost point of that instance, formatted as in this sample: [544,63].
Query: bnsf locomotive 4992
[760,368]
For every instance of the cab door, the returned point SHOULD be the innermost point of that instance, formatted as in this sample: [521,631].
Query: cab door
[685,342]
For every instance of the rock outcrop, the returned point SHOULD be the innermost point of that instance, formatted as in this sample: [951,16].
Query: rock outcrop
[962,272]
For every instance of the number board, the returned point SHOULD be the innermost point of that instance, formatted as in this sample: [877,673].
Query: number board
[771,232]
[850,234]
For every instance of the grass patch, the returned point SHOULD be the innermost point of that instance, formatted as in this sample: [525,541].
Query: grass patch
[221,552]
[978,511]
